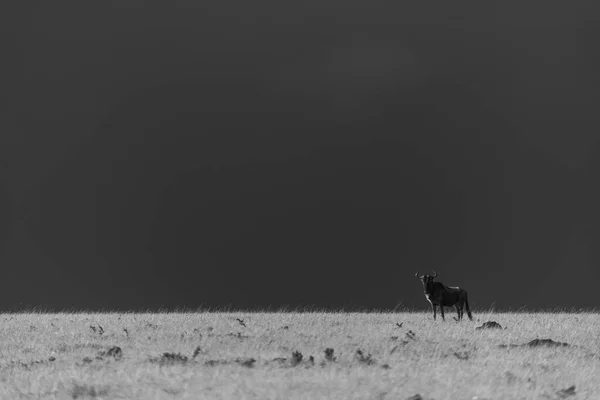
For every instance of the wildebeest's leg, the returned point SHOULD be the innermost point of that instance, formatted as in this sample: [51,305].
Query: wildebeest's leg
[467,306]
[433,307]
[458,311]
[442,311]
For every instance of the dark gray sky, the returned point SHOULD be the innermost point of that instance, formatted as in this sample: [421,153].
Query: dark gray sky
[260,154]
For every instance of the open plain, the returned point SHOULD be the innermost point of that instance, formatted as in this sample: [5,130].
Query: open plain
[299,355]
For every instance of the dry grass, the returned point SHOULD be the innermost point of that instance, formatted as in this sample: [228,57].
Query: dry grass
[298,355]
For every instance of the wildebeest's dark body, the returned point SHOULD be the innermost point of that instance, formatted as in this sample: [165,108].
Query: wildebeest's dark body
[441,295]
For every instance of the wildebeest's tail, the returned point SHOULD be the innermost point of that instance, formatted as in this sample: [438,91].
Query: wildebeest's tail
[467,307]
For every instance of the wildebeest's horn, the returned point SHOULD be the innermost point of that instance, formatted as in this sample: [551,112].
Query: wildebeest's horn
[434,274]
[417,274]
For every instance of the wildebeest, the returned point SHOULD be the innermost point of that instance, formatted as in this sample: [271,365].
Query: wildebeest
[441,295]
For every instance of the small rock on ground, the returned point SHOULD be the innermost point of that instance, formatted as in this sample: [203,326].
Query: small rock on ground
[490,325]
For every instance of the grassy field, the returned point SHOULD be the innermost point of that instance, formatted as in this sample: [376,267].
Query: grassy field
[283,356]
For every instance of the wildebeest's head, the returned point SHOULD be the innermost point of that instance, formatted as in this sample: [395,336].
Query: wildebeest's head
[427,281]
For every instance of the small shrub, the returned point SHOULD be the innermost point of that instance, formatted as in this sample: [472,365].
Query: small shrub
[212,363]
[246,362]
[296,358]
[564,393]
[114,352]
[546,342]
[329,355]
[170,359]
[361,358]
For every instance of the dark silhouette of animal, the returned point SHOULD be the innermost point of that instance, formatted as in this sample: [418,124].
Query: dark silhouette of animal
[441,295]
